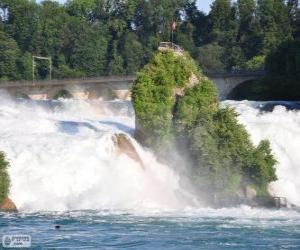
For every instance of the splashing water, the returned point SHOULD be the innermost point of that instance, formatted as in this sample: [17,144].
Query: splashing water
[63,158]
[282,128]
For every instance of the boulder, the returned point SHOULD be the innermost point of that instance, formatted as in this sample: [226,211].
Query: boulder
[250,192]
[8,206]
[124,146]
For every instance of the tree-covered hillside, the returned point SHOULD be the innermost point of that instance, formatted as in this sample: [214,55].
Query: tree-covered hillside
[108,37]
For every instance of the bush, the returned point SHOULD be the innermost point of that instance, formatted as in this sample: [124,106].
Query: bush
[4,178]
[255,63]
[153,98]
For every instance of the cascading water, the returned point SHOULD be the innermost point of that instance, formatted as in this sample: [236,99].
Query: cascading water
[62,157]
[282,128]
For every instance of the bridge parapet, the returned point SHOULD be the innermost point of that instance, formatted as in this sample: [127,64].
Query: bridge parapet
[238,73]
[68,81]
[225,83]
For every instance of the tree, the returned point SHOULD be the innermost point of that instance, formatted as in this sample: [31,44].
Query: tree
[274,25]
[220,16]
[9,52]
[293,8]
[22,23]
[132,53]
[246,32]
[210,58]
[81,8]
[86,47]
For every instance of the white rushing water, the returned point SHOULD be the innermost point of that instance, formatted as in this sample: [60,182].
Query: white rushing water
[282,128]
[63,158]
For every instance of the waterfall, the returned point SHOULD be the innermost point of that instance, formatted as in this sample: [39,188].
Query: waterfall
[282,128]
[63,157]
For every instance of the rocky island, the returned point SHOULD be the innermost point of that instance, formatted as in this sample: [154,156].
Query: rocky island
[177,110]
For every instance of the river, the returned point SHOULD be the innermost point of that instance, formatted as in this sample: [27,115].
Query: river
[65,171]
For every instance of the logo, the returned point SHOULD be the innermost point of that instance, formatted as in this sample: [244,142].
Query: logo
[16,241]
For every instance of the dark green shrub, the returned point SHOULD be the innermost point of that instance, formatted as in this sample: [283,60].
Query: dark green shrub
[4,178]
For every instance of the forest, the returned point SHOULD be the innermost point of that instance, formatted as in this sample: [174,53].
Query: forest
[116,37]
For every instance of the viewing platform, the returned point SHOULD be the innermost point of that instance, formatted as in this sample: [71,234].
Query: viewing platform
[163,46]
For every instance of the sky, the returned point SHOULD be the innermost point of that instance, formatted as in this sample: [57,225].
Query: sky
[203,5]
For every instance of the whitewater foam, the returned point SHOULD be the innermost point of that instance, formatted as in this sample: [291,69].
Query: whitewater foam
[282,128]
[62,158]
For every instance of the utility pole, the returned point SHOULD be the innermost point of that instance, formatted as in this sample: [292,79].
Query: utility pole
[41,58]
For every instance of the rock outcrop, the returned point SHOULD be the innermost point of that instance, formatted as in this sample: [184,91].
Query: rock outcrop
[8,206]
[124,146]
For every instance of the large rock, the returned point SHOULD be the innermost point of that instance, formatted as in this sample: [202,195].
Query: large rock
[124,146]
[250,193]
[8,206]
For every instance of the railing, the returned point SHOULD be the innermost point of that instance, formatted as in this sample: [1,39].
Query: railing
[117,79]
[170,45]
[235,73]
[103,79]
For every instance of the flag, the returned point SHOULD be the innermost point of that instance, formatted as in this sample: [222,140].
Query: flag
[173,26]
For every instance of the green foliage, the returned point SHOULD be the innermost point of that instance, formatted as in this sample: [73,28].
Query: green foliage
[9,54]
[152,94]
[100,37]
[4,178]
[285,61]
[222,157]
[255,63]
[282,77]
[210,58]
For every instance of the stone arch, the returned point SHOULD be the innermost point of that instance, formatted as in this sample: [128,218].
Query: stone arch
[225,85]
[63,93]
[22,96]
[56,93]
[242,91]
[102,91]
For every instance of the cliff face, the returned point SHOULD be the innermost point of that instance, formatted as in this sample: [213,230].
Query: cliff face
[177,108]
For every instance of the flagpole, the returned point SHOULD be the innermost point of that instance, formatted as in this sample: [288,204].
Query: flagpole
[172,38]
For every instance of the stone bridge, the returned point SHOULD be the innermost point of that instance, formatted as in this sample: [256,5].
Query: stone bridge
[80,88]
[226,82]
[107,87]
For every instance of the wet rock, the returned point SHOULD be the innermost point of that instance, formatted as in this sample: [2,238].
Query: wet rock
[124,146]
[250,192]
[8,206]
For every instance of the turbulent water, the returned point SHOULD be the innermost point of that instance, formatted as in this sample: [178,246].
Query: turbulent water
[63,157]
[282,128]
[65,170]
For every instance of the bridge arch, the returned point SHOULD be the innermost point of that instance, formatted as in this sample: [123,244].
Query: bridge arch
[226,84]
[103,91]
[58,92]
[63,93]
[22,95]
